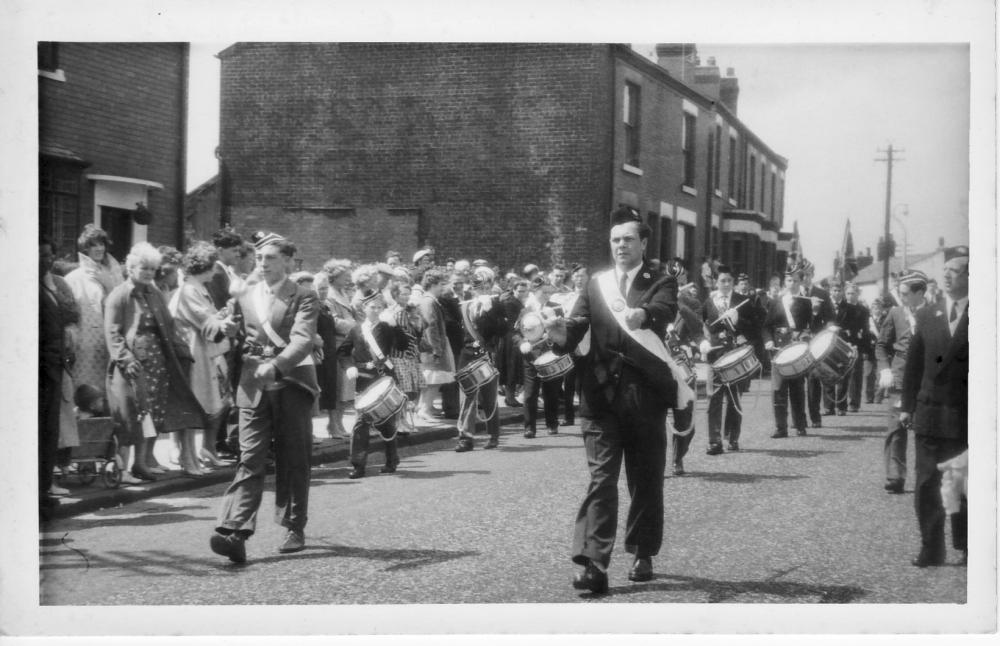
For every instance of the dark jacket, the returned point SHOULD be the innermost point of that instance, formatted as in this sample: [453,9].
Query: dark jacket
[389,339]
[779,330]
[719,334]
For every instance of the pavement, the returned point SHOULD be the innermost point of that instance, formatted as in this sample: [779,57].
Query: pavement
[327,451]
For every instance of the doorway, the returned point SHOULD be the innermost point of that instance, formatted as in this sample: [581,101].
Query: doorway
[117,223]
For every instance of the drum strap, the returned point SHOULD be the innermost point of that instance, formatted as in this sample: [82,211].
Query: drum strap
[366,332]
[470,325]
[646,338]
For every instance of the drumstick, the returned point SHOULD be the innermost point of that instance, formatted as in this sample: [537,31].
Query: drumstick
[731,309]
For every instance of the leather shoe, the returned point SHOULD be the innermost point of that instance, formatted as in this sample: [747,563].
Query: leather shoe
[801,432]
[734,446]
[231,545]
[553,430]
[142,474]
[779,434]
[894,486]
[492,444]
[359,472]
[714,449]
[295,541]
[679,468]
[642,569]
[591,579]
[463,446]
[924,559]
[529,433]
[388,468]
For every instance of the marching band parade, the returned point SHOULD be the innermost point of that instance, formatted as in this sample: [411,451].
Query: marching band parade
[243,351]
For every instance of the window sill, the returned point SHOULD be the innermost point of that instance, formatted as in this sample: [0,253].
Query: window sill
[57,75]
[690,190]
[632,169]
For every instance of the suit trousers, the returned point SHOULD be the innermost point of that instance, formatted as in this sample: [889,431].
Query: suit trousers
[835,395]
[733,418]
[570,386]
[361,440]
[814,388]
[870,379]
[49,394]
[285,416]
[930,451]
[551,392]
[896,439]
[683,432]
[783,392]
[635,434]
[487,401]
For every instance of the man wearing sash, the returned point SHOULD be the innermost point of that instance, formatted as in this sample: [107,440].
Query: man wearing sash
[628,383]
[484,324]
[787,321]
[275,395]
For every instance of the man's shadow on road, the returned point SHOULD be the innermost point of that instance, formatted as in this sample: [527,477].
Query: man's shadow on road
[738,478]
[727,591]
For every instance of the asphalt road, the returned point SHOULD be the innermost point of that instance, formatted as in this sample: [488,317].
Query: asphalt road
[801,520]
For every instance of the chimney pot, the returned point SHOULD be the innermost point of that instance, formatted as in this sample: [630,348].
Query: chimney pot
[730,71]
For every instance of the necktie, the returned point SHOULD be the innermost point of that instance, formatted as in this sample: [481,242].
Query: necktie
[622,283]
[954,313]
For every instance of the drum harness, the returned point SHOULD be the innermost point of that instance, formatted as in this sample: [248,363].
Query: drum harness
[366,332]
[472,401]
[754,375]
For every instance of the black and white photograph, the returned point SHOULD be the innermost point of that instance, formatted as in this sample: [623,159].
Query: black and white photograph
[571,320]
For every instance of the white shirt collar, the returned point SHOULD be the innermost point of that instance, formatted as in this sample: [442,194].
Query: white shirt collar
[630,276]
[962,304]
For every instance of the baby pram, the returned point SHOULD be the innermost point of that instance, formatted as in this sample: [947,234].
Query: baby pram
[96,453]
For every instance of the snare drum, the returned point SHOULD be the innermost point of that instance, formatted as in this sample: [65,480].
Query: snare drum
[553,366]
[834,356]
[475,374]
[380,401]
[793,361]
[736,365]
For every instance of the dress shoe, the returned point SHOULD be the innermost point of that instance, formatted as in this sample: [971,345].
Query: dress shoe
[894,486]
[642,570]
[142,474]
[529,433]
[925,559]
[569,421]
[388,468]
[817,424]
[779,434]
[358,472]
[714,449]
[734,446]
[231,545]
[463,446]
[591,579]
[679,468]
[492,444]
[800,432]
[841,413]
[511,402]
[553,430]
[295,541]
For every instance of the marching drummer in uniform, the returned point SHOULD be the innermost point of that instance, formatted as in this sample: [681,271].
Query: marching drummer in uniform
[850,320]
[535,344]
[687,331]
[370,344]
[484,324]
[728,328]
[788,319]
[822,312]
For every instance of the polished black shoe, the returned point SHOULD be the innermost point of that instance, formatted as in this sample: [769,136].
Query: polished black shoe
[388,468]
[894,486]
[359,472]
[714,449]
[679,468]
[553,430]
[591,579]
[779,434]
[800,432]
[817,424]
[734,446]
[231,545]
[529,433]
[642,570]
[925,559]
[463,446]
[295,541]
[512,403]
[492,444]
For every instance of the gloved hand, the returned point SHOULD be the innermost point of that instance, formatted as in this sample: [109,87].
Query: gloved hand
[885,378]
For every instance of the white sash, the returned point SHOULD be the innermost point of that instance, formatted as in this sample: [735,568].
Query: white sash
[366,331]
[646,338]
[263,307]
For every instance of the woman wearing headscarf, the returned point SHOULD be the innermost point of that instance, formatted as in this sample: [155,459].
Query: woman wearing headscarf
[148,389]
[339,298]
[207,332]
[97,275]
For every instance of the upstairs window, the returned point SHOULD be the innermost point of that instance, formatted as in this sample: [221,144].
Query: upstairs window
[630,115]
[687,140]
[717,171]
[732,167]
[752,182]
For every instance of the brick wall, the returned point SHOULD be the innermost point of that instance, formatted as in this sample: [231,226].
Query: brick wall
[121,108]
[503,148]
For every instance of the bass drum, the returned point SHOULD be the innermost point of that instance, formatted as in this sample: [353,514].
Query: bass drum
[793,361]
[834,357]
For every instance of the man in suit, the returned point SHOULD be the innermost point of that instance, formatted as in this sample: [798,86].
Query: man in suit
[935,399]
[729,325]
[788,320]
[822,312]
[627,386]
[891,347]
[861,341]
[850,321]
[275,395]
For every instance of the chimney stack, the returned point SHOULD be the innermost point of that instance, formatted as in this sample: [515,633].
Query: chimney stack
[680,59]
[729,90]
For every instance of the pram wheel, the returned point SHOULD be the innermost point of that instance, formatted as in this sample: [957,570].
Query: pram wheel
[86,472]
[111,475]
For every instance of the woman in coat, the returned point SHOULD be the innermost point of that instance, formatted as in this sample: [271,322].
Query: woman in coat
[436,358]
[338,299]
[148,389]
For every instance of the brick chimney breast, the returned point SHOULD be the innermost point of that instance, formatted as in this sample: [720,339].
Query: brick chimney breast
[729,90]
[680,59]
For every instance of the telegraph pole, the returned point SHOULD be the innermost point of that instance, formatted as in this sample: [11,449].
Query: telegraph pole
[889,158]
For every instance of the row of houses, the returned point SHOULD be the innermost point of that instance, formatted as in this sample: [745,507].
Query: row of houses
[512,152]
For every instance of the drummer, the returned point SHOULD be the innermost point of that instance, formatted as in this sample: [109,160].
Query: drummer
[370,344]
[533,345]
[688,332]
[788,318]
[850,320]
[484,324]
[729,317]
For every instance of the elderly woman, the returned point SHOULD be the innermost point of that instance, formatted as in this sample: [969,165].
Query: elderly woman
[91,282]
[148,390]
[338,276]
[327,364]
[207,332]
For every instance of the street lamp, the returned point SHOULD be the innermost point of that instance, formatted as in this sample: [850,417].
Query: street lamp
[906,212]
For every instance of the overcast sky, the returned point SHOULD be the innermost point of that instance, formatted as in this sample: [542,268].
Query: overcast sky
[828,109]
